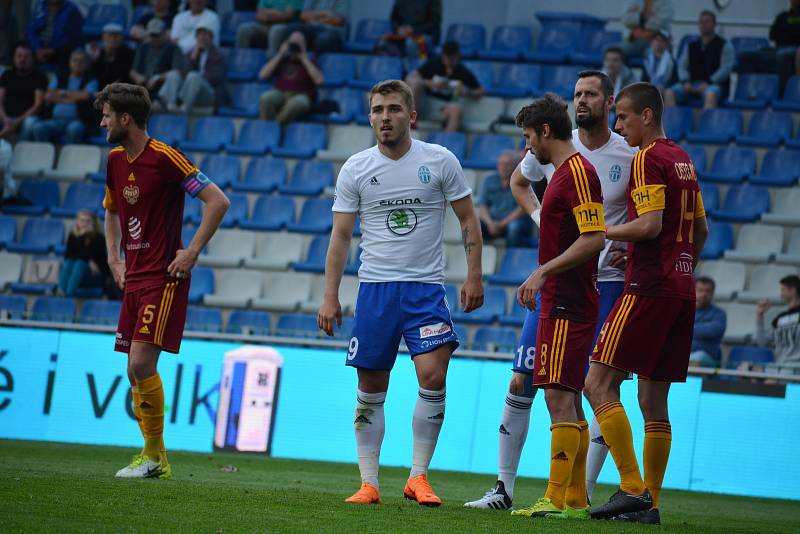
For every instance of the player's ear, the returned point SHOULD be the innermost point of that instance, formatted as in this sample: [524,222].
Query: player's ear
[545,130]
[647,116]
[413,116]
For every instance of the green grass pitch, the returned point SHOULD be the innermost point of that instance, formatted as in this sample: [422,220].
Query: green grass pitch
[48,487]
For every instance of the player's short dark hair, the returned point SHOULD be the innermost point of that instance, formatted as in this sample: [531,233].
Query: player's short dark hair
[451,48]
[23,44]
[126,98]
[549,109]
[643,95]
[605,82]
[707,281]
[792,281]
[393,86]
[614,50]
[707,13]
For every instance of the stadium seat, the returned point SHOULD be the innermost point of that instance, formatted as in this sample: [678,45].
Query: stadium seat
[452,228]
[80,197]
[249,322]
[516,265]
[729,277]
[485,150]
[484,72]
[792,254]
[229,248]
[344,332]
[192,209]
[347,140]
[710,198]
[677,121]
[244,100]
[302,140]
[168,128]
[263,175]
[754,91]
[508,43]
[593,44]
[757,243]
[42,194]
[210,134]
[368,33]
[749,43]
[785,211]
[685,41]
[463,336]
[202,319]
[256,138]
[762,283]
[350,106]
[697,154]
[348,292]
[741,322]
[11,306]
[10,268]
[39,236]
[275,251]
[471,38]
[75,162]
[270,213]
[732,165]
[314,261]
[53,309]
[456,262]
[717,126]
[99,15]
[202,284]
[720,239]
[455,142]
[309,178]
[515,317]
[222,170]
[234,288]
[751,355]
[495,339]
[480,114]
[105,312]
[237,212]
[354,263]
[558,79]
[339,69]
[790,101]
[767,128]
[494,306]
[283,291]
[8,230]
[780,168]
[514,80]
[32,158]
[297,325]
[556,40]
[744,203]
[316,217]
[230,24]
[244,64]
[374,69]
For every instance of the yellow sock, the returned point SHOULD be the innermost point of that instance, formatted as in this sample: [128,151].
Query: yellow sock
[576,491]
[657,442]
[151,408]
[564,444]
[617,433]
[163,452]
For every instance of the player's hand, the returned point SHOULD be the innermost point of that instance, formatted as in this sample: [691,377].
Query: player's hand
[761,308]
[526,294]
[182,264]
[329,312]
[618,255]
[118,272]
[472,294]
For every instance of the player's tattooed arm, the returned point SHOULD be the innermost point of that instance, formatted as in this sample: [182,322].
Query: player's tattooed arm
[469,243]
[472,290]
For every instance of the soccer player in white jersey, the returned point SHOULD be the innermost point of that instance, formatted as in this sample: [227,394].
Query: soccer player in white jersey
[399,189]
[611,156]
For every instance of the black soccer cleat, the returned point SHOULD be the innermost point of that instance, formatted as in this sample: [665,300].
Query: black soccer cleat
[648,517]
[623,503]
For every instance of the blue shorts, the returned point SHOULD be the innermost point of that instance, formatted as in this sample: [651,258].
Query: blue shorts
[386,311]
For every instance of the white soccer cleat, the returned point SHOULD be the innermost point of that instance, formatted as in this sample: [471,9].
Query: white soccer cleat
[140,467]
[495,499]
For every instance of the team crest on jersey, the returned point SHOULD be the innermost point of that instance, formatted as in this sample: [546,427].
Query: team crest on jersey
[615,173]
[401,221]
[424,174]
[131,193]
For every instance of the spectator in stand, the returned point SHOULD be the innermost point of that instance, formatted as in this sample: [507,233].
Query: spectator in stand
[614,66]
[69,96]
[155,59]
[418,23]
[112,62]
[22,90]
[185,24]
[785,56]
[440,84]
[709,326]
[784,330]
[271,16]
[55,29]
[499,213]
[161,10]
[323,22]
[85,262]
[14,16]
[659,65]
[704,68]
[644,18]
[201,82]
[295,78]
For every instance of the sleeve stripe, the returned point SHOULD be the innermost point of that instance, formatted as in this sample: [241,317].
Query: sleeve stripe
[640,181]
[584,179]
[177,163]
[581,182]
[180,160]
[575,179]
[635,169]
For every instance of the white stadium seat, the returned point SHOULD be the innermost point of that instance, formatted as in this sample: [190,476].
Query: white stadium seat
[228,248]
[784,209]
[741,322]
[455,262]
[481,113]
[275,251]
[757,243]
[763,283]
[729,277]
[792,254]
[75,162]
[32,158]
[348,291]
[284,291]
[346,141]
[10,268]
[234,288]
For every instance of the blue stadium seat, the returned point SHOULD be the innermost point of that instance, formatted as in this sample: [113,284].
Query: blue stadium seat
[53,309]
[744,203]
[471,38]
[202,284]
[244,100]
[732,165]
[244,63]
[717,126]
[139,12]
[42,194]
[222,170]
[749,43]
[463,336]
[256,137]
[593,43]
[494,305]
[192,210]
[339,69]
[686,40]
[514,80]
[677,122]
[516,265]
[79,197]
[452,295]
[556,40]
[187,233]
[352,106]
[13,306]
[352,266]
[32,288]
[790,101]
[754,91]
[209,134]
[710,198]
[368,33]
[344,332]
[167,128]
[237,212]
[455,142]
[252,322]
[720,239]
[585,22]
[270,213]
[484,72]
[768,129]
[558,79]
[100,312]
[697,154]
[263,175]
[315,259]
[779,168]
[516,317]
[297,325]
[99,15]
[8,230]
[302,140]
[374,69]
[202,319]
[495,339]
[230,24]
[316,217]
[309,178]
[755,355]
[485,149]
[39,236]
[508,43]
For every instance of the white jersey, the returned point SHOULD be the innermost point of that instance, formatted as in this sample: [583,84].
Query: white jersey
[401,205]
[612,162]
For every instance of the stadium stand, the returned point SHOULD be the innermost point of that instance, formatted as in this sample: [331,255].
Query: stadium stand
[494,339]
[309,178]
[508,43]
[202,284]
[315,217]
[209,134]
[244,100]
[767,129]
[98,15]
[39,236]
[275,251]
[717,126]
[11,306]
[200,319]
[263,175]
[744,203]
[367,34]
[75,162]
[302,140]
[471,38]
[752,355]
[256,137]
[230,248]
[779,168]
[104,312]
[42,195]
[234,288]
[224,169]
[757,243]
[270,213]
[80,197]
[792,254]
[32,158]
[249,322]
[731,165]
[54,309]
[754,91]
[283,291]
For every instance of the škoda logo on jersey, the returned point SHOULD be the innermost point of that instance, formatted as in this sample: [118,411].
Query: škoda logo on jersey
[131,192]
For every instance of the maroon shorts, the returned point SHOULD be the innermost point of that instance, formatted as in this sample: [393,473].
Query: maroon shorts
[649,336]
[562,353]
[154,315]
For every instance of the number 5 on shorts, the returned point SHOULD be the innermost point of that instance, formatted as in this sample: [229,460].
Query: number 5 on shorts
[147,314]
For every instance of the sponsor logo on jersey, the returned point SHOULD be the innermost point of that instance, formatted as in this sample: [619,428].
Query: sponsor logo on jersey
[615,173]
[424,174]
[434,330]
[374,181]
[120,341]
[400,202]
[134,228]
[684,265]
[401,221]
[131,193]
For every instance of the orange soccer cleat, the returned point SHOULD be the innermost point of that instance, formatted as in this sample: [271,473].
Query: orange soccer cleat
[366,494]
[418,489]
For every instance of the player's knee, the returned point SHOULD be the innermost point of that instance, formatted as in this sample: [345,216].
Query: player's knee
[131,376]
[142,369]
[521,385]
[653,406]
[434,379]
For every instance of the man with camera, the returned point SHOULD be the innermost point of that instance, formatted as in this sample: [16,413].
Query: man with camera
[295,78]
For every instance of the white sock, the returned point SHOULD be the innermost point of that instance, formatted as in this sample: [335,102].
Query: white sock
[513,432]
[370,425]
[426,424]
[598,450]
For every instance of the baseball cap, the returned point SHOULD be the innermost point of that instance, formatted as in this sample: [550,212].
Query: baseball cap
[112,27]
[155,26]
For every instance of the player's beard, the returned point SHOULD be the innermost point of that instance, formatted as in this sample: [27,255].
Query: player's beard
[589,121]
[116,136]
[392,142]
